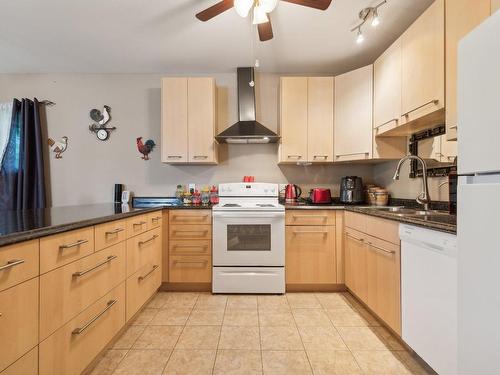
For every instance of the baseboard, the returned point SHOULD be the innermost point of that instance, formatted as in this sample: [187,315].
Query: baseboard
[315,288]
[186,287]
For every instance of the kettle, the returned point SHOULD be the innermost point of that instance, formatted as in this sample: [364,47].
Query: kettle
[292,193]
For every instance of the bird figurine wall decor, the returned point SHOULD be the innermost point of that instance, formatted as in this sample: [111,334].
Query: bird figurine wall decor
[58,147]
[101,119]
[145,147]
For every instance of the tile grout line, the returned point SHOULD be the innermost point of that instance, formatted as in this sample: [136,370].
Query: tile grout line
[301,340]
[260,336]
[220,335]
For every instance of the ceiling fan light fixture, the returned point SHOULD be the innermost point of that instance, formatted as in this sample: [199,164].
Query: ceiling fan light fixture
[243,7]
[259,16]
[268,5]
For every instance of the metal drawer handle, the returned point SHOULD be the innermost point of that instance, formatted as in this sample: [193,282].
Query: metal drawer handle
[174,157]
[108,259]
[139,223]
[320,156]
[454,127]
[148,240]
[80,330]
[156,218]
[433,101]
[114,231]
[200,157]
[355,238]
[353,153]
[381,249]
[74,244]
[200,246]
[294,156]
[385,123]
[190,231]
[195,216]
[11,263]
[190,261]
[310,231]
[140,278]
[306,216]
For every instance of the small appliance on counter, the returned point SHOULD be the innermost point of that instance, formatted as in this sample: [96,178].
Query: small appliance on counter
[351,190]
[292,193]
[320,196]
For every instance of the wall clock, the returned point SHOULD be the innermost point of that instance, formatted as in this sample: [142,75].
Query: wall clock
[101,119]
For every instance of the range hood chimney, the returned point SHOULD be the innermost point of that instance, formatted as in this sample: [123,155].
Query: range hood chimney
[247,129]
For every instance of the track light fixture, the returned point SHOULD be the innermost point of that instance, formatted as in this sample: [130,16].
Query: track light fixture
[364,15]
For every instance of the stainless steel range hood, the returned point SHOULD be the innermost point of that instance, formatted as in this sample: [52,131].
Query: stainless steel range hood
[247,129]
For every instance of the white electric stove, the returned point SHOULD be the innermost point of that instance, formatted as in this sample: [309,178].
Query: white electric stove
[248,242]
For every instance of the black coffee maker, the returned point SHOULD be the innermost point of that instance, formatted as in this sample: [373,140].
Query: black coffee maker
[351,190]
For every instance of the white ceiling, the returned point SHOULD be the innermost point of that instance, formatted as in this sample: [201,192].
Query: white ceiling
[163,36]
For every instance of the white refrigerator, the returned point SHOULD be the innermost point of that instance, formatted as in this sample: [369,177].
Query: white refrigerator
[479,200]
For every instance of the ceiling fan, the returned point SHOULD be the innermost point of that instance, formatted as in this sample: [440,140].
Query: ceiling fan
[261,10]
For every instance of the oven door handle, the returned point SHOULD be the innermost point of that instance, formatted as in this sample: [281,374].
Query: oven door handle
[249,214]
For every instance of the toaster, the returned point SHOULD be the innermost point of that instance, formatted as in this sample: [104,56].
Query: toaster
[319,196]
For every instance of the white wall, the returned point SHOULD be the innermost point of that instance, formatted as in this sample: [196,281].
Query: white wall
[89,167]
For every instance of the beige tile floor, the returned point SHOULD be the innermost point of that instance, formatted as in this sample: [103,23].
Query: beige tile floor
[299,333]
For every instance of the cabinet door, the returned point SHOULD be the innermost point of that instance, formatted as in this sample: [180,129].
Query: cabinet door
[174,120]
[310,255]
[293,146]
[355,263]
[201,120]
[320,119]
[353,115]
[495,5]
[422,59]
[449,150]
[383,280]
[387,89]
[461,17]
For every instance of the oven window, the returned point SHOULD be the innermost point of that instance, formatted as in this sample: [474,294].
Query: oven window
[249,237]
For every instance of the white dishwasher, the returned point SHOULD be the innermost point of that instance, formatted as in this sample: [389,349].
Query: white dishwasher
[429,296]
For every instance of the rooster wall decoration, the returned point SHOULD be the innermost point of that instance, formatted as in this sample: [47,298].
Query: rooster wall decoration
[145,147]
[101,119]
[58,147]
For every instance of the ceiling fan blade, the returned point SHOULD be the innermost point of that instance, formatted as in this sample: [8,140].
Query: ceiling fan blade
[265,30]
[215,10]
[317,4]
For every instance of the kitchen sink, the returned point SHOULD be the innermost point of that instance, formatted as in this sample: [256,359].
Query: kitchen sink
[402,211]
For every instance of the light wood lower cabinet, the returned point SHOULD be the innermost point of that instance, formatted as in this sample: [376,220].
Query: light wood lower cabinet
[109,234]
[68,290]
[22,261]
[26,365]
[143,249]
[71,348]
[18,321]
[372,265]
[312,217]
[190,269]
[310,255]
[194,216]
[141,286]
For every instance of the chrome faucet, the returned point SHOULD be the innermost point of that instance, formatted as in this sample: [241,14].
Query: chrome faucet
[423,198]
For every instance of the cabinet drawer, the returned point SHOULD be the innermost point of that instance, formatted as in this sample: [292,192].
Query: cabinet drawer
[18,321]
[195,232]
[109,234]
[18,263]
[141,286]
[143,249]
[387,230]
[67,291]
[310,254]
[26,365]
[194,216]
[313,217]
[155,219]
[71,348]
[61,249]
[191,247]
[190,269]
[137,225]
[355,221]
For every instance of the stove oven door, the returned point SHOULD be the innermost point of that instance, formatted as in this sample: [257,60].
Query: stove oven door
[248,238]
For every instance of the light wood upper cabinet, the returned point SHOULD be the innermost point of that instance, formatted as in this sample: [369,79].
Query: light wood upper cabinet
[174,120]
[422,67]
[461,17]
[188,120]
[201,120]
[387,89]
[293,147]
[353,115]
[320,91]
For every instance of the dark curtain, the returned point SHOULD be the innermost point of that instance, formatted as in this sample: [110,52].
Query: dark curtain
[22,180]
